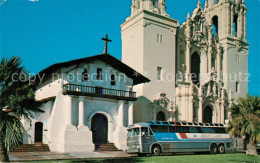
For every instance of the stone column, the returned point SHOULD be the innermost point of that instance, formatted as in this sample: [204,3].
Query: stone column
[188,58]
[210,49]
[228,19]
[120,116]
[200,110]
[218,63]
[188,46]
[222,112]
[209,59]
[68,109]
[240,24]
[81,111]
[190,100]
[130,113]
[245,24]
[68,101]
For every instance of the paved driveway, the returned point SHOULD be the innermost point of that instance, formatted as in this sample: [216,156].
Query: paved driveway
[36,156]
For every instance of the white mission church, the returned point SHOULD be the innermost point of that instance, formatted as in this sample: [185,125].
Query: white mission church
[90,101]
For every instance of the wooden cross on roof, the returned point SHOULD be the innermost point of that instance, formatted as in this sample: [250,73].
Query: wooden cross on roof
[106,40]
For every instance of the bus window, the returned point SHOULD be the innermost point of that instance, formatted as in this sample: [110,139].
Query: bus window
[185,130]
[136,131]
[144,131]
[220,130]
[178,129]
[193,130]
[207,130]
[172,129]
[161,129]
[130,132]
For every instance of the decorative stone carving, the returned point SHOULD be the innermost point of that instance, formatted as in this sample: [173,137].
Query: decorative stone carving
[238,45]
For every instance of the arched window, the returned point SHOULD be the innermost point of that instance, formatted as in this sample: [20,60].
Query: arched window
[195,68]
[113,79]
[85,76]
[215,26]
[235,25]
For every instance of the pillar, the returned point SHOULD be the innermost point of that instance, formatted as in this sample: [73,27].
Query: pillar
[188,58]
[200,110]
[229,19]
[120,115]
[222,112]
[130,113]
[240,24]
[81,111]
[245,24]
[209,59]
[188,46]
[68,105]
[219,63]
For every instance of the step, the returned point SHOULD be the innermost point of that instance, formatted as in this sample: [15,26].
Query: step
[31,148]
[107,147]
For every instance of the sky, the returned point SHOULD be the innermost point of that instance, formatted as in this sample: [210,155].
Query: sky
[45,32]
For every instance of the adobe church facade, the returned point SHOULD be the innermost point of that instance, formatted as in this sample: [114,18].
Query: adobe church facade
[190,72]
[196,69]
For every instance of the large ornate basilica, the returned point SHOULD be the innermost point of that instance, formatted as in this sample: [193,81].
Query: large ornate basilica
[207,53]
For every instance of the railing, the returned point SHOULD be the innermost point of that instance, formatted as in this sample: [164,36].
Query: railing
[73,89]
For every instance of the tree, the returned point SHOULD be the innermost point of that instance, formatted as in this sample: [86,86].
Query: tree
[17,101]
[246,122]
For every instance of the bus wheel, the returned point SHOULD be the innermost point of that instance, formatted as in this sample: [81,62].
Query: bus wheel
[221,149]
[213,149]
[156,150]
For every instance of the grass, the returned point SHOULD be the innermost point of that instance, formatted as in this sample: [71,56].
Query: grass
[220,158]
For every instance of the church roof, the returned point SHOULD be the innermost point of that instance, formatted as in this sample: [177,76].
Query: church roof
[106,58]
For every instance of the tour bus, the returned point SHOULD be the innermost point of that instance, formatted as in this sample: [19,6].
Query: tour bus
[156,137]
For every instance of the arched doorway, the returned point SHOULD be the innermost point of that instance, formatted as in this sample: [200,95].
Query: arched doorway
[38,132]
[99,128]
[160,116]
[195,68]
[207,115]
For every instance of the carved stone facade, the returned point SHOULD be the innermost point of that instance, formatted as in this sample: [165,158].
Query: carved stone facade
[210,52]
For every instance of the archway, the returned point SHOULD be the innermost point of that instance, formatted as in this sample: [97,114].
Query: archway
[207,114]
[160,116]
[38,132]
[195,68]
[99,128]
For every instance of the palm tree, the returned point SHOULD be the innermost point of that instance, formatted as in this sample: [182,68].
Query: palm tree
[17,101]
[246,122]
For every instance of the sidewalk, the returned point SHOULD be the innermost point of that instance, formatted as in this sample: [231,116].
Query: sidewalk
[44,156]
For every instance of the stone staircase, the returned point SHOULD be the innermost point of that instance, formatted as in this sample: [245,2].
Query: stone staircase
[107,147]
[37,147]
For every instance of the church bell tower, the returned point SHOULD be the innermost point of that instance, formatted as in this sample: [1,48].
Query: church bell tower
[228,18]
[149,45]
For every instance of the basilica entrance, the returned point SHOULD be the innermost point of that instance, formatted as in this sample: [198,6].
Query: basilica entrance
[160,116]
[207,115]
[99,128]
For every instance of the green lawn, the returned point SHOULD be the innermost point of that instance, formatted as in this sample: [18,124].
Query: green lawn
[231,157]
